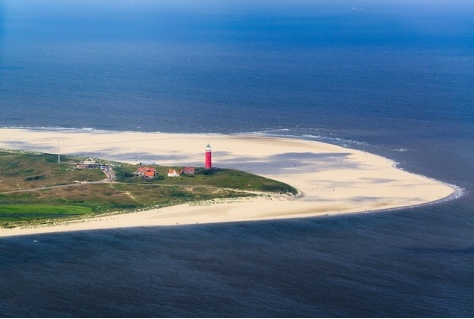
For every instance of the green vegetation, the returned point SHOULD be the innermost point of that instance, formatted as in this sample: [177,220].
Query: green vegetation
[215,177]
[24,170]
[35,189]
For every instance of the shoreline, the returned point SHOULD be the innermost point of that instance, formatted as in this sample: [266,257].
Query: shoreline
[333,179]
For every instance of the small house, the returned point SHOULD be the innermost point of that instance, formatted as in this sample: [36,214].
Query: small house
[173,173]
[150,173]
[188,170]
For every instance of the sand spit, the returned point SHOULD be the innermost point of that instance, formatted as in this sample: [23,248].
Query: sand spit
[331,179]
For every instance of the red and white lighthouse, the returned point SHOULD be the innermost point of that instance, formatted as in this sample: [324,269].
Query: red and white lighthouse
[208,158]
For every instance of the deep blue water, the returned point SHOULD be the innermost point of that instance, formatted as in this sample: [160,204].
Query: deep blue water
[396,79]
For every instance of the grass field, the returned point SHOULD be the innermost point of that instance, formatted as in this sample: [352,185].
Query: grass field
[35,188]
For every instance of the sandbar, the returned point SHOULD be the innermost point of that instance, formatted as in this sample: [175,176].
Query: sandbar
[331,179]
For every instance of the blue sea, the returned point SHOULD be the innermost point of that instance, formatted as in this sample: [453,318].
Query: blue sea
[395,78]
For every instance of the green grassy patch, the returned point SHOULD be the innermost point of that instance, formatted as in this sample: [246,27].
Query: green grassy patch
[216,177]
[28,212]
[24,170]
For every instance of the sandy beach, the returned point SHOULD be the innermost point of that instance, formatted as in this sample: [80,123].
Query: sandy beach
[331,179]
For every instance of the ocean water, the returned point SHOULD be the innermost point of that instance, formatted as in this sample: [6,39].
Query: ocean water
[395,79]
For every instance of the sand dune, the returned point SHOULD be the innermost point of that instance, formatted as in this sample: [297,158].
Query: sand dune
[331,179]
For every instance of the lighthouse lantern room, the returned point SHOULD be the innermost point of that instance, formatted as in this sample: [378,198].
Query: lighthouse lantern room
[208,158]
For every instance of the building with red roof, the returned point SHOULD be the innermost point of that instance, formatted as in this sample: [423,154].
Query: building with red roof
[147,172]
[189,170]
